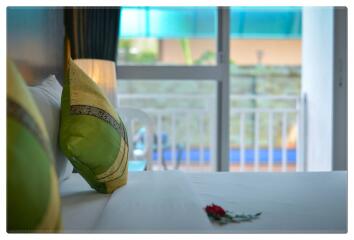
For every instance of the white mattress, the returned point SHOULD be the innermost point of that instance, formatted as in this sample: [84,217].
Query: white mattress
[151,202]
[81,205]
[172,202]
[312,202]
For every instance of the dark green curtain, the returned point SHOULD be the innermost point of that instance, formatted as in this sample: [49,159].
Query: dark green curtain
[92,31]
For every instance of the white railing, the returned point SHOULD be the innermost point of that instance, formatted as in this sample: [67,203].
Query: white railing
[185,133]
[270,113]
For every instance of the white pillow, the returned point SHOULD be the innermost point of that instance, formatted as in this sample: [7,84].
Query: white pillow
[48,97]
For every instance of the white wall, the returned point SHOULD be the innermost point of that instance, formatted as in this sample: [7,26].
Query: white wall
[317,84]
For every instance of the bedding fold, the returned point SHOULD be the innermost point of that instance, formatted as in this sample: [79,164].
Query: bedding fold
[154,202]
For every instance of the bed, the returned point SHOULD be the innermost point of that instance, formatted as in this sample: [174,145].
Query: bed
[173,201]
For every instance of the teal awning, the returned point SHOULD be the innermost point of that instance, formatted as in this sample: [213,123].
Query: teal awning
[200,22]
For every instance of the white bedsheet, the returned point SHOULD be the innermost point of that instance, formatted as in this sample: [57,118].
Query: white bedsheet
[151,202]
[312,202]
[81,205]
[154,202]
[172,202]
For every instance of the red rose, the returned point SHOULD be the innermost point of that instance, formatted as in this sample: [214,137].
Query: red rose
[218,215]
[215,211]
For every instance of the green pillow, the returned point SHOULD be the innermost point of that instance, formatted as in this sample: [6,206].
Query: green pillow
[33,201]
[92,135]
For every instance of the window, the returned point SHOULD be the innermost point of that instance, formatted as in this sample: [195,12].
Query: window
[167,67]
[245,62]
[265,87]
[184,116]
[168,36]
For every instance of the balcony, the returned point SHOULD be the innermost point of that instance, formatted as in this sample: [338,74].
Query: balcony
[265,131]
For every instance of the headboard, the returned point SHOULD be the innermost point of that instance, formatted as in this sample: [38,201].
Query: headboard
[35,41]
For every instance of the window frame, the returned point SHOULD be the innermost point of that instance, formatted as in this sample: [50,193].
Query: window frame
[219,73]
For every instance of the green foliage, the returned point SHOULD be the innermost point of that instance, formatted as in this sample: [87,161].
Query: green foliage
[205,58]
[146,56]
[187,52]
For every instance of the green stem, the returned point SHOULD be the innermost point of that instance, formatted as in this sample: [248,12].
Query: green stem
[186,51]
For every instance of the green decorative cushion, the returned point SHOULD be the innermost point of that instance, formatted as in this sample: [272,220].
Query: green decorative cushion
[92,135]
[33,201]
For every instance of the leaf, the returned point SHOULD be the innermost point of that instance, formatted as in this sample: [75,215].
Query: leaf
[229,217]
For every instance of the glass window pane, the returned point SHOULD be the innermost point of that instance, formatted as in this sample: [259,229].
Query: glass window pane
[167,36]
[265,87]
[183,113]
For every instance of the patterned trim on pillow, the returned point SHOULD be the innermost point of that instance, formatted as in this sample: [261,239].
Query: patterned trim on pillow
[101,114]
